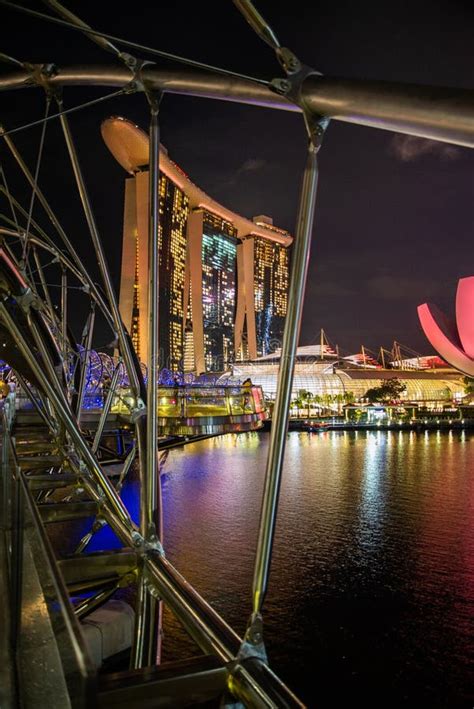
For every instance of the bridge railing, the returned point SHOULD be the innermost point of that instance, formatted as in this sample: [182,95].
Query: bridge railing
[177,402]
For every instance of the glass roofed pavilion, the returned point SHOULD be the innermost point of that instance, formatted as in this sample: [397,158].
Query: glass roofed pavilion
[332,376]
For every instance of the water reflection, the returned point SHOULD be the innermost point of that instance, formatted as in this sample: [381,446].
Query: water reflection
[373,471]
[372,584]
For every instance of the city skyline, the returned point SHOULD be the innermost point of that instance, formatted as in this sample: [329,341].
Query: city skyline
[223,283]
[393,221]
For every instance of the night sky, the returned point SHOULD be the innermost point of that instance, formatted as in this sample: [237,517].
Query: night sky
[394,217]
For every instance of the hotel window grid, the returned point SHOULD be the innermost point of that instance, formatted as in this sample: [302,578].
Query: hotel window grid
[135,329]
[219,286]
[271,293]
[174,207]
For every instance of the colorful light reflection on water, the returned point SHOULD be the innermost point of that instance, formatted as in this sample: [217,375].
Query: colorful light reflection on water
[372,585]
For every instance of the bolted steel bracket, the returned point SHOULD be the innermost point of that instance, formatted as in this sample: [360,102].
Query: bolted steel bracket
[291,86]
[138,410]
[40,74]
[152,591]
[253,645]
[27,300]
[137,83]
[143,546]
[316,128]
[153,544]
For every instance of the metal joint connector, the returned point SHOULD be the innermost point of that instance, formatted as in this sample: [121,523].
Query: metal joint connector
[138,410]
[144,546]
[153,544]
[316,128]
[40,74]
[136,67]
[151,588]
[137,539]
[292,85]
[288,60]
[253,645]
[26,300]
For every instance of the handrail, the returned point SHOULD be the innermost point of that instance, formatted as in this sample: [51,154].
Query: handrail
[437,113]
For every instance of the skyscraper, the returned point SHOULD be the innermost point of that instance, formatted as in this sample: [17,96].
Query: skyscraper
[219,288]
[223,279]
[174,206]
[270,292]
[264,269]
[213,289]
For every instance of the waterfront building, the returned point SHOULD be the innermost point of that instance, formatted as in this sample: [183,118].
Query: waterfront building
[326,375]
[262,309]
[223,277]
[213,290]
[174,207]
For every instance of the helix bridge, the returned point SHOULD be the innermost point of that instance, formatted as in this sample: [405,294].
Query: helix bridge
[187,405]
[68,397]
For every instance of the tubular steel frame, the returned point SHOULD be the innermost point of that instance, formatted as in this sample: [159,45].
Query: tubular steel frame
[433,113]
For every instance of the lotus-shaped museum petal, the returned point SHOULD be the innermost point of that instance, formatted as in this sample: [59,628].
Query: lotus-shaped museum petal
[454,342]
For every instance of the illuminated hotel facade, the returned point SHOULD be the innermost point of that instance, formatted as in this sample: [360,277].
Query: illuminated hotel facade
[223,279]
[265,263]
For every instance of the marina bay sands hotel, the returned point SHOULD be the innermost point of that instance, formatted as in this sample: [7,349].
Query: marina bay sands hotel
[223,279]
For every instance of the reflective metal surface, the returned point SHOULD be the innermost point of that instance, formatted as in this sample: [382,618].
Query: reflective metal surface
[427,111]
[281,411]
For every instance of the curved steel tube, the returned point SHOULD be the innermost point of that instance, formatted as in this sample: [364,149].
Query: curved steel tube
[438,113]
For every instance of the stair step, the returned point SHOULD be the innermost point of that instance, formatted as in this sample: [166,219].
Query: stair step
[199,681]
[38,462]
[53,480]
[29,448]
[66,511]
[106,565]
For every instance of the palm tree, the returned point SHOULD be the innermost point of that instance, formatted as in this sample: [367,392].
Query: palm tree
[304,398]
[339,399]
[349,397]
[298,402]
[468,388]
[328,399]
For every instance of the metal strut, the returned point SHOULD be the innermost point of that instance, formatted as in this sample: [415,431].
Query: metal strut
[291,87]
[147,643]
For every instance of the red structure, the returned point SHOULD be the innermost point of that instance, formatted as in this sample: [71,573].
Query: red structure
[454,341]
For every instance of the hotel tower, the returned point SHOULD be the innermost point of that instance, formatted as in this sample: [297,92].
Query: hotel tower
[223,279]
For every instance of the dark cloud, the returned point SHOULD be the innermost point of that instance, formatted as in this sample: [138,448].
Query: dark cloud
[251,165]
[408,148]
